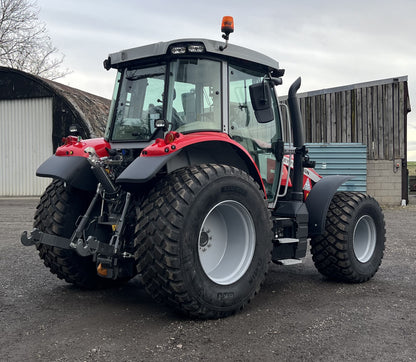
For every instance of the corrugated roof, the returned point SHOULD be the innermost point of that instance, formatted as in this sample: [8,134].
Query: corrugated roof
[93,109]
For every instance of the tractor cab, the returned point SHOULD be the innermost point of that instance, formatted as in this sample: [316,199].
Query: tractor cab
[182,90]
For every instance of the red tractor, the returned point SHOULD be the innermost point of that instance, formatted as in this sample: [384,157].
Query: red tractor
[194,187]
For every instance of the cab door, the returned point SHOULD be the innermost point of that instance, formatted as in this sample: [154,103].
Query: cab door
[258,130]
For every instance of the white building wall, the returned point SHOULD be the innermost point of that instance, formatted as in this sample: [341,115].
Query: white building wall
[25,142]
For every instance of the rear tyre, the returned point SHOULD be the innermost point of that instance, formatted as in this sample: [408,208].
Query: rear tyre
[203,240]
[352,247]
[56,214]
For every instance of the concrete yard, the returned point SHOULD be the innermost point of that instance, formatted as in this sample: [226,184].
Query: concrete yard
[298,315]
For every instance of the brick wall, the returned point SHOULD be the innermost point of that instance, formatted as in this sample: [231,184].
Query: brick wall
[383,183]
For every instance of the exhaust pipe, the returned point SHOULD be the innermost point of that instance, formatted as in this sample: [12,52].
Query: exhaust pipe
[298,140]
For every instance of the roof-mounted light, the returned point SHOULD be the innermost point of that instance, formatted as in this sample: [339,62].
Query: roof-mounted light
[196,48]
[227,27]
[178,50]
[184,48]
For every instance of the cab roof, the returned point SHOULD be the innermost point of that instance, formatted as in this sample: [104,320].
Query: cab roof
[117,60]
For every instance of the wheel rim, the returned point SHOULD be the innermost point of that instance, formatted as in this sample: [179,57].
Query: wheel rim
[365,237]
[226,242]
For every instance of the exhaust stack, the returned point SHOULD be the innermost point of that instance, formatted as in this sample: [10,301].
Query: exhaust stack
[298,140]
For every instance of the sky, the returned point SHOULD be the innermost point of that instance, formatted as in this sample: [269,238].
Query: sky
[328,43]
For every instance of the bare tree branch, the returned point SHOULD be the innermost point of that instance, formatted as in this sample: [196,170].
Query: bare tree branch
[24,41]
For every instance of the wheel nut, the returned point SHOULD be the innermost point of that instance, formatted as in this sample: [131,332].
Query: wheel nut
[203,239]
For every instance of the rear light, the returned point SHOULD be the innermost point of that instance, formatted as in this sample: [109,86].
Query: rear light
[161,124]
[69,140]
[171,137]
[73,128]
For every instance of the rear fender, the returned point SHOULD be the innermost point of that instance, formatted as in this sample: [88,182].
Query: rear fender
[74,170]
[70,162]
[145,168]
[318,202]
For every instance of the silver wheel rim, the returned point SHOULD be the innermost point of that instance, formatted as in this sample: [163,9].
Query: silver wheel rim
[226,242]
[365,237]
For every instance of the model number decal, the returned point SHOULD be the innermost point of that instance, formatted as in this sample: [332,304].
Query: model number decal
[223,296]
[232,188]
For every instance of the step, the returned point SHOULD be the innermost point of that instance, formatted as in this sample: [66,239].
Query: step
[289,261]
[288,240]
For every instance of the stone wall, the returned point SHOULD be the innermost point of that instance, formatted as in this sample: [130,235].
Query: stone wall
[383,183]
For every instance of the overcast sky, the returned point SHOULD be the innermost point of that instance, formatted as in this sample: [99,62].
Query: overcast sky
[328,43]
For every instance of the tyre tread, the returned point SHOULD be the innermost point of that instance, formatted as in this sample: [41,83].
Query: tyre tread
[160,220]
[55,209]
[330,250]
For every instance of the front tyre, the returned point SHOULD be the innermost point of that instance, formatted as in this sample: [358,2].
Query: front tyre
[352,246]
[203,240]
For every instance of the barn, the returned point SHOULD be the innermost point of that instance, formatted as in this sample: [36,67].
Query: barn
[371,114]
[35,114]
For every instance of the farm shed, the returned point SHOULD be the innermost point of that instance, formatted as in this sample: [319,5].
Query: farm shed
[373,114]
[35,114]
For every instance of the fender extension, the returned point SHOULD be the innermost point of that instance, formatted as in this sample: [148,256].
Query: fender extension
[143,169]
[74,170]
[319,199]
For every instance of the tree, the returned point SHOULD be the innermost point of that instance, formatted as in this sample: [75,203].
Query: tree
[25,43]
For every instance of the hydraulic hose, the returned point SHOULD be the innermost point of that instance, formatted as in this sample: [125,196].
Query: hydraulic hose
[100,172]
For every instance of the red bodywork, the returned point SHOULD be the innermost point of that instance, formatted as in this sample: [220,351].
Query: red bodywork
[310,176]
[73,146]
[174,141]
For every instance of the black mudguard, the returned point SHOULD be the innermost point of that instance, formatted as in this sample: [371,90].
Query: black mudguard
[143,169]
[74,170]
[318,202]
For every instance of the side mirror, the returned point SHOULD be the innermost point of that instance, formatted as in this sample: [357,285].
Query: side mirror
[261,100]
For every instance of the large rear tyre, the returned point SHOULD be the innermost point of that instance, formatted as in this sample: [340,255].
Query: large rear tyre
[56,214]
[352,247]
[203,240]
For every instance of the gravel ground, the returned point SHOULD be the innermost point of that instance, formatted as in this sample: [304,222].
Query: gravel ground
[298,314]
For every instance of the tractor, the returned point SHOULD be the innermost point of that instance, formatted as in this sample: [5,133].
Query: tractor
[201,180]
